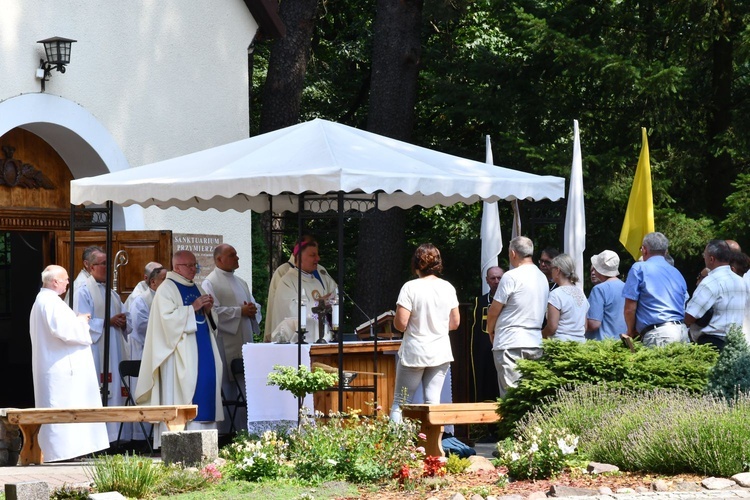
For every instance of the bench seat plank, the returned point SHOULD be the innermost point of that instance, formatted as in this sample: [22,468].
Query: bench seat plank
[30,420]
[434,417]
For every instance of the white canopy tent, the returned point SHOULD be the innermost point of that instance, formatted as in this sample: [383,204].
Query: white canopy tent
[302,163]
[315,157]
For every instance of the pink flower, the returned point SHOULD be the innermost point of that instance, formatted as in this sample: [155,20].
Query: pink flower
[211,473]
[422,436]
[420,449]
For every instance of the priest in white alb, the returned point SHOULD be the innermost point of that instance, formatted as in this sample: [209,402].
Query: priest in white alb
[239,316]
[90,299]
[181,363]
[63,370]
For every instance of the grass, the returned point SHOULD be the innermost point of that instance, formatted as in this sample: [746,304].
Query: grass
[272,490]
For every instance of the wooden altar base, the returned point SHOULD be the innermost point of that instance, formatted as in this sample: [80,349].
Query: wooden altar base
[358,357]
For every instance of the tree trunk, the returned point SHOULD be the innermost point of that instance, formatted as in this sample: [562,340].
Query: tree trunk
[287,65]
[719,171]
[393,95]
[282,91]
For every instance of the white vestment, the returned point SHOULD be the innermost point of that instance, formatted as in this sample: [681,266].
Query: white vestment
[285,299]
[271,321]
[169,366]
[64,377]
[137,325]
[139,289]
[230,293]
[87,303]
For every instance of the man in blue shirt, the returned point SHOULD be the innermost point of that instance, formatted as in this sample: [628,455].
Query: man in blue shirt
[655,295]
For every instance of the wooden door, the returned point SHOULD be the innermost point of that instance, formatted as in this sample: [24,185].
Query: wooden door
[142,247]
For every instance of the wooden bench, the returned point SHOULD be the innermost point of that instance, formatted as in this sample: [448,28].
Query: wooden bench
[29,420]
[434,417]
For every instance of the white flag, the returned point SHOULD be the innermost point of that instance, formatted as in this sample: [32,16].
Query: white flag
[575,216]
[492,240]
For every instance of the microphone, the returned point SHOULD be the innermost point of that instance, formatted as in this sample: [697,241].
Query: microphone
[372,321]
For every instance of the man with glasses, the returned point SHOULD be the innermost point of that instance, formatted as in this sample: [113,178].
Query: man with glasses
[545,265]
[181,363]
[655,295]
[90,298]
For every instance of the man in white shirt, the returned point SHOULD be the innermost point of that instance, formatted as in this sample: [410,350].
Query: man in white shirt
[723,291]
[515,317]
[239,316]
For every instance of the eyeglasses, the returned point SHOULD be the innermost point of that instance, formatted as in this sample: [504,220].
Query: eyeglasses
[197,267]
[545,262]
[99,264]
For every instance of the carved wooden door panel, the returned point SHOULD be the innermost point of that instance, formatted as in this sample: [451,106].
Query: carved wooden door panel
[142,247]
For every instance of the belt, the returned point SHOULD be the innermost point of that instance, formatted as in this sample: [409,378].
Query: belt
[659,325]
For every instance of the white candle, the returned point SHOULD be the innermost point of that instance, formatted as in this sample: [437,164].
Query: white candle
[303,316]
[335,316]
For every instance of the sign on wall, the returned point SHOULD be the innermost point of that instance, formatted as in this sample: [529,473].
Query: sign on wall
[202,245]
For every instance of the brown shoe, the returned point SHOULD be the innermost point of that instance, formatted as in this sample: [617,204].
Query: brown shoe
[628,341]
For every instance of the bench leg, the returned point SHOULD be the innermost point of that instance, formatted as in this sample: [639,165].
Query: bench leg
[31,453]
[178,423]
[434,443]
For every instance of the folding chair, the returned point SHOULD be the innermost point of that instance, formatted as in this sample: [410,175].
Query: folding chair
[130,368]
[236,368]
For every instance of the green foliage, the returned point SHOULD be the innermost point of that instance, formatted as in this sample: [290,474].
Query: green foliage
[456,464]
[67,492]
[174,479]
[131,475]
[731,373]
[352,447]
[660,431]
[538,454]
[254,460]
[735,226]
[301,381]
[677,365]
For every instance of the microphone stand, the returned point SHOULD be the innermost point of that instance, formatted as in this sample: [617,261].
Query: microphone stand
[372,321]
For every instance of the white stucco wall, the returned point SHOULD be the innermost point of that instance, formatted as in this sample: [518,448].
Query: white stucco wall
[161,78]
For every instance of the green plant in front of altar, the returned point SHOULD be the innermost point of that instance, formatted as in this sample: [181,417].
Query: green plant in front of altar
[301,381]
[253,460]
[538,455]
[352,447]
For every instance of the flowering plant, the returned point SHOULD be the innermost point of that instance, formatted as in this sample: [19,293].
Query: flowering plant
[538,455]
[252,460]
[301,381]
[211,473]
[351,446]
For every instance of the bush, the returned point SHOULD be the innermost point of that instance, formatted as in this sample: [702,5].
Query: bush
[731,374]
[253,460]
[352,447]
[541,455]
[678,366]
[301,381]
[660,431]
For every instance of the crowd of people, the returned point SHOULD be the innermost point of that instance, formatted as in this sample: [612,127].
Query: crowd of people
[186,336]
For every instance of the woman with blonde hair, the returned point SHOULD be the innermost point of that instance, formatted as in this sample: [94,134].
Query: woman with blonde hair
[426,310]
[567,305]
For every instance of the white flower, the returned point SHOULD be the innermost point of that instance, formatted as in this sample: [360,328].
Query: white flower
[534,448]
[565,448]
[331,461]
[514,456]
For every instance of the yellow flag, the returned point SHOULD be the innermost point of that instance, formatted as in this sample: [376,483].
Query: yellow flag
[639,216]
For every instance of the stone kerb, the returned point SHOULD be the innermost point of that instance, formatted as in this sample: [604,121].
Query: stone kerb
[190,448]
